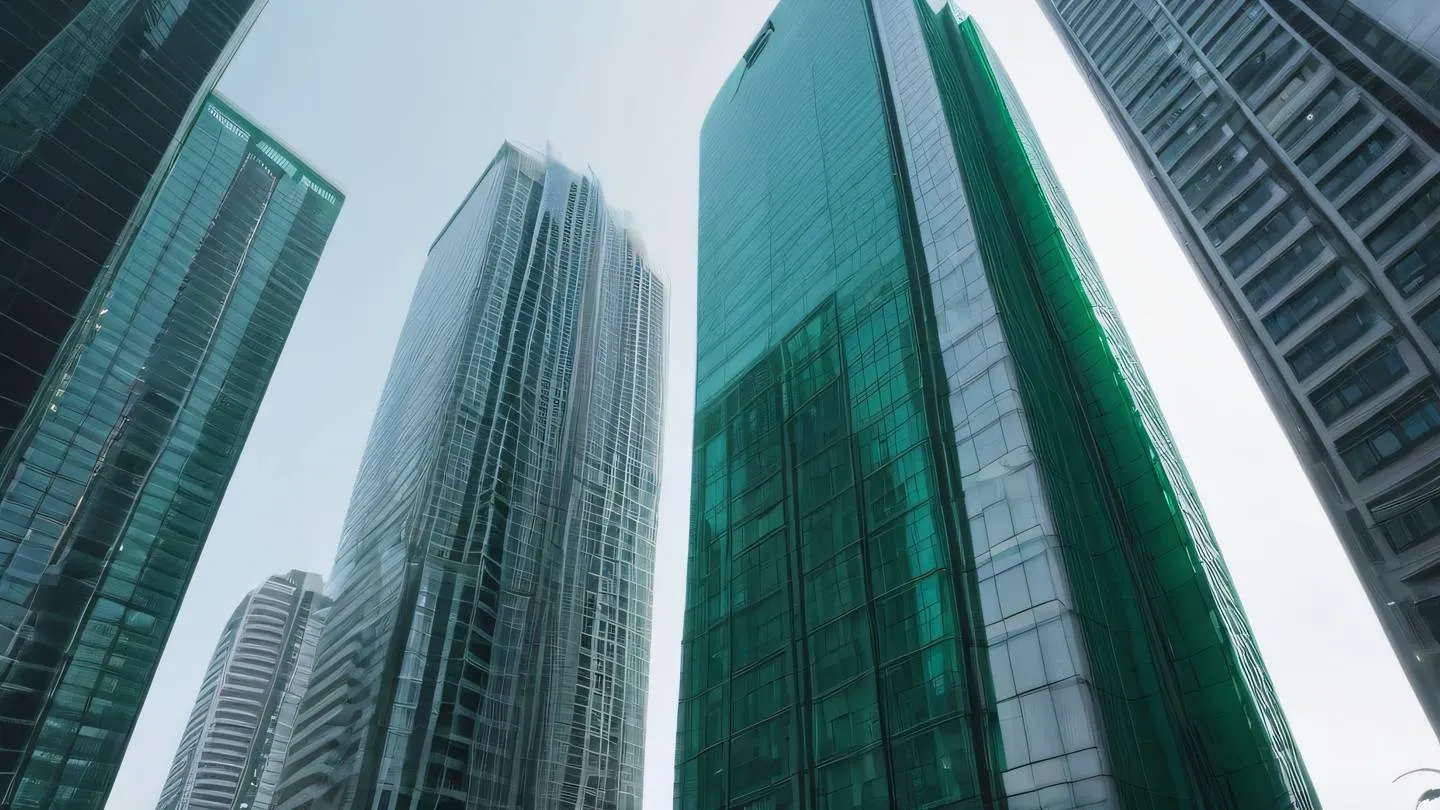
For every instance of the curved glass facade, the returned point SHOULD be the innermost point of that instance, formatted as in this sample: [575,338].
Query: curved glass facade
[104,515]
[942,552]
[490,635]
[1304,183]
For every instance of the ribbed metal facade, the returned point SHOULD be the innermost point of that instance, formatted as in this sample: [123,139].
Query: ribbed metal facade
[1293,146]
[261,664]
[490,634]
[118,479]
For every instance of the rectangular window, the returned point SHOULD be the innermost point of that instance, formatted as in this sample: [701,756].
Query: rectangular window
[1367,154]
[925,686]
[1292,88]
[1404,222]
[915,617]
[840,651]
[1213,16]
[704,718]
[759,572]
[1156,130]
[905,549]
[1232,33]
[857,783]
[1429,322]
[1264,64]
[1390,436]
[1374,372]
[829,528]
[1337,335]
[762,755]
[760,630]
[847,720]
[760,692]
[1418,266]
[1340,135]
[1312,116]
[819,424]
[933,767]
[1306,301]
[1240,211]
[1417,524]
[1201,134]
[1208,177]
[824,476]
[1382,189]
[1296,259]
[1263,238]
[1152,98]
[835,587]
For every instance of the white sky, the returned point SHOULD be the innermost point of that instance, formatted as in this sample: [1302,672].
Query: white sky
[402,103]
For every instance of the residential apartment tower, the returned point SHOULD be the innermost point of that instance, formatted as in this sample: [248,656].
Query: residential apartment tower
[1292,144]
[229,757]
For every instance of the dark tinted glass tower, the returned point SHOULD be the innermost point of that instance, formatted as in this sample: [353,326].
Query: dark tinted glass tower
[104,514]
[943,552]
[1292,144]
[490,635]
[241,724]
[93,96]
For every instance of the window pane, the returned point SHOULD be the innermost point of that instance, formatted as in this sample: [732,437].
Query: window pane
[1366,377]
[1306,301]
[1392,434]
[1299,257]
[1331,339]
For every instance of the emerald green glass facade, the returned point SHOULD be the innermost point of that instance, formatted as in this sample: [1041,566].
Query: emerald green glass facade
[105,514]
[943,554]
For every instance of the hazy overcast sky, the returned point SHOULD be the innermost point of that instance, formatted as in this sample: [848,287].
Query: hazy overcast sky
[402,103]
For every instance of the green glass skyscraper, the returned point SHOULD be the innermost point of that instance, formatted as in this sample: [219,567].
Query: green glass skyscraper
[104,515]
[943,553]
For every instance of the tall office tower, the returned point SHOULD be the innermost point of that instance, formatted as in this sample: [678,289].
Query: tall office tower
[93,97]
[245,712]
[943,551]
[104,515]
[490,634]
[1292,144]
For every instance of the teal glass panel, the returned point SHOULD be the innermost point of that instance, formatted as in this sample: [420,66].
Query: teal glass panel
[109,508]
[995,584]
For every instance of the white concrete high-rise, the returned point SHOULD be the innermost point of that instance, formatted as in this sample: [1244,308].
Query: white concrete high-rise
[245,711]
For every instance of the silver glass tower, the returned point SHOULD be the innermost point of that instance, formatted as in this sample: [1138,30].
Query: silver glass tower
[1293,145]
[244,712]
[490,634]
